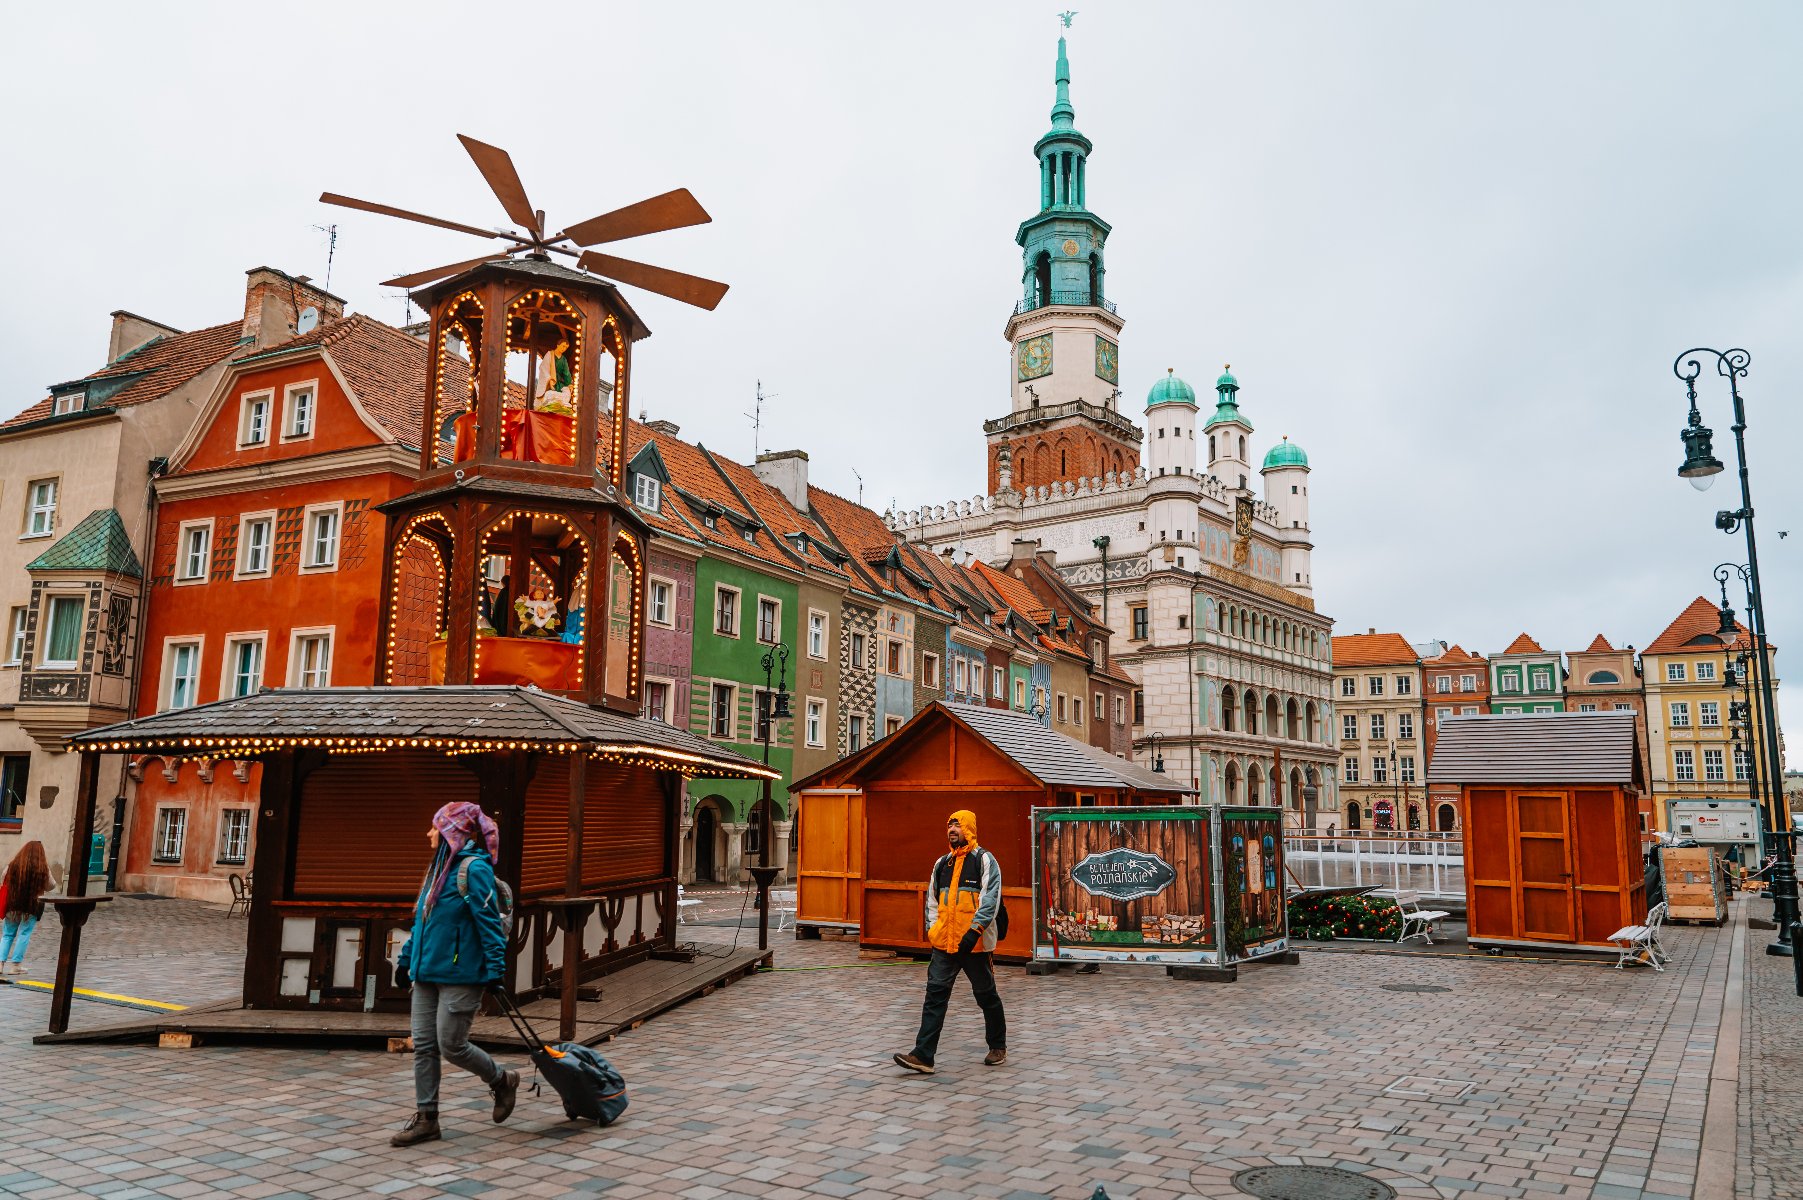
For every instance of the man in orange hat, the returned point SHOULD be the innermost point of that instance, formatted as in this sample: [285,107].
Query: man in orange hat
[964,902]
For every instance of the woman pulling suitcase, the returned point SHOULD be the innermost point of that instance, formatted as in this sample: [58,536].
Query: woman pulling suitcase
[457,951]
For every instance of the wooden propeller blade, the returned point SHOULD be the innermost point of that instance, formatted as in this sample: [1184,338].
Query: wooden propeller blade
[672,210]
[388,210]
[690,289]
[504,181]
[419,277]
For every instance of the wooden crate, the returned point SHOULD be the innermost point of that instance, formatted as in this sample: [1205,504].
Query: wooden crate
[1693,884]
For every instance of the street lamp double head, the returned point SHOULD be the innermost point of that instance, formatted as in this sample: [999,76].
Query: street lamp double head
[1155,739]
[775,705]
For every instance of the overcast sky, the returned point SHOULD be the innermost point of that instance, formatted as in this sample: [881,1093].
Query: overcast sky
[1450,249]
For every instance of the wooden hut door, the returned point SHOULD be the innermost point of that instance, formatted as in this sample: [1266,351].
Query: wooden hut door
[1543,831]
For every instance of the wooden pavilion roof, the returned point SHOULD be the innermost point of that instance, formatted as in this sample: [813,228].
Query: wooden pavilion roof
[452,720]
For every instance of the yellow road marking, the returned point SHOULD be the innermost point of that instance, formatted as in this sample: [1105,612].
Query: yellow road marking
[93,995]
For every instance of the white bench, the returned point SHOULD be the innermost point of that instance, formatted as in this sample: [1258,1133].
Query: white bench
[1640,943]
[683,903]
[782,903]
[1417,922]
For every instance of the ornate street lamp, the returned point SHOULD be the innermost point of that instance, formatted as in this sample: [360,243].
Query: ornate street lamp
[776,705]
[1700,467]
[1157,752]
[1742,669]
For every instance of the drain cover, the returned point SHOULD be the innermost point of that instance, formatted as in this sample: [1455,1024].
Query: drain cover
[1413,987]
[1311,1183]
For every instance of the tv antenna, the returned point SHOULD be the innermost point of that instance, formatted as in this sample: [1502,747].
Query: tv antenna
[331,232]
[854,471]
[756,417]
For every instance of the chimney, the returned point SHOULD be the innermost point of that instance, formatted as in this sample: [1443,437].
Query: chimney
[667,428]
[1371,630]
[787,472]
[1023,549]
[273,302]
[131,331]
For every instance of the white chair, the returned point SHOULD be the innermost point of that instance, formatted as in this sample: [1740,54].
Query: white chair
[782,903]
[683,903]
[1417,922]
[1640,943]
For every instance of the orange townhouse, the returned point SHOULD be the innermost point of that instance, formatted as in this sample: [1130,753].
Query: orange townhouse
[266,571]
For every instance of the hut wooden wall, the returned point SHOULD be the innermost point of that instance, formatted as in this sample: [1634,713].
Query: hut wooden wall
[1183,843]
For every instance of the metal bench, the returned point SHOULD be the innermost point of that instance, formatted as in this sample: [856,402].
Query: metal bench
[1417,922]
[1640,943]
[782,903]
[681,904]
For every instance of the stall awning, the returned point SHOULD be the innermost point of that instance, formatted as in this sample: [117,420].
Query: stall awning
[451,720]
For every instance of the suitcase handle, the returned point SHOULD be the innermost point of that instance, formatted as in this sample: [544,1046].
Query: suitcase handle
[517,1019]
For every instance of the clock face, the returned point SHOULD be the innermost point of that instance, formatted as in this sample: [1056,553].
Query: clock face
[1070,247]
[1108,360]
[1033,357]
[1242,517]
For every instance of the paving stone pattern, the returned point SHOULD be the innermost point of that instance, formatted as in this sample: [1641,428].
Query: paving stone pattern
[1771,1080]
[1523,1079]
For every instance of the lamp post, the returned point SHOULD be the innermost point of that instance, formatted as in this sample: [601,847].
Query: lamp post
[1154,738]
[1741,670]
[1397,818]
[1700,467]
[776,705]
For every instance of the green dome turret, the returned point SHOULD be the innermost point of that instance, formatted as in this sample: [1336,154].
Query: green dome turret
[1227,408]
[1171,390]
[1286,454]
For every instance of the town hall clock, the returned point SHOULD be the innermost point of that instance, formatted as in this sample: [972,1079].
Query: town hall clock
[1033,357]
[1108,360]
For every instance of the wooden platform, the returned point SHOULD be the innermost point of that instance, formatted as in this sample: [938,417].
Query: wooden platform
[628,998]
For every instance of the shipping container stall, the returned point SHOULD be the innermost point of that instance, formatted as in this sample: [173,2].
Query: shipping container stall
[1552,826]
[1180,887]
[873,824]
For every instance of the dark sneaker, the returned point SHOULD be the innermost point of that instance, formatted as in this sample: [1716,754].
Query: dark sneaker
[995,1058]
[505,1091]
[421,1127]
[910,1063]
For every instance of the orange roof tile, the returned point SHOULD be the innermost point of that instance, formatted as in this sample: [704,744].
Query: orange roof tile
[1016,594]
[1523,644]
[1694,629]
[165,363]
[1599,645]
[1372,650]
[1456,655]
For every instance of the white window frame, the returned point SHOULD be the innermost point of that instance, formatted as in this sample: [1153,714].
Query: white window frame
[1380,769]
[228,674]
[668,619]
[1349,727]
[309,387]
[1349,685]
[820,629]
[929,669]
[855,731]
[47,626]
[1743,764]
[1468,683]
[1508,682]
[15,636]
[1684,766]
[68,402]
[246,402]
[738,610]
[1705,672]
[166,688]
[1374,685]
[998,684]
[183,560]
[860,651]
[1076,710]
[669,686]
[1442,713]
[1120,710]
[1442,685]
[47,510]
[814,722]
[1586,708]
[960,675]
[159,838]
[1349,769]
[732,710]
[1405,769]
[776,624]
[647,492]
[1020,694]
[1715,770]
[308,515]
[1709,714]
[1405,685]
[297,668]
[1405,726]
[219,852]
[1098,708]
[1674,672]
[1379,725]
[1679,712]
[241,569]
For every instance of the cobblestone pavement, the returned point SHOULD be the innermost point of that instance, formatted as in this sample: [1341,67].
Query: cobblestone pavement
[1520,1079]
[1771,1079]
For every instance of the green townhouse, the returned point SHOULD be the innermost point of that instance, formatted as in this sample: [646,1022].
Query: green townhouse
[1527,679]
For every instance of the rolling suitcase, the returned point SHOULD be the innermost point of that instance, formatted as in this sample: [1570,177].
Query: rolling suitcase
[590,1088]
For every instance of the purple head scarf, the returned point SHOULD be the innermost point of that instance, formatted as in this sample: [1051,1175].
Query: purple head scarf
[458,823]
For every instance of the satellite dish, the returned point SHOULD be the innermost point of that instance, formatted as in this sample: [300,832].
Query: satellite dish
[309,317]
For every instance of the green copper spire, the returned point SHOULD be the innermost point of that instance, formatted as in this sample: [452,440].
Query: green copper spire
[1063,115]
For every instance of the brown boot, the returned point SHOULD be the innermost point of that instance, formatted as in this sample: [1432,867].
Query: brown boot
[505,1091]
[909,1062]
[421,1127]
[995,1058]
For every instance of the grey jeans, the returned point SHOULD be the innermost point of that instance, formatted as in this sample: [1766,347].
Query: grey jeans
[442,1013]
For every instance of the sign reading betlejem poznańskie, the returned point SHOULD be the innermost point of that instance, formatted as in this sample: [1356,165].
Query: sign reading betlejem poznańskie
[1122,874]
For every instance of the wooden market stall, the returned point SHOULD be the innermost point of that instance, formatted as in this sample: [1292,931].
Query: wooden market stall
[1552,829]
[873,824]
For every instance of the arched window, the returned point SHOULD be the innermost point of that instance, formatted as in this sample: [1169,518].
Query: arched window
[1313,717]
[1232,783]
[1251,711]
[1255,785]
[1292,723]
[1296,790]
[1354,816]
[1042,279]
[1228,716]
[1602,677]
[1447,818]
[1273,726]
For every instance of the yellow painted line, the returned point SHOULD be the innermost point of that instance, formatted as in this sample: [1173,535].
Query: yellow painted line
[113,997]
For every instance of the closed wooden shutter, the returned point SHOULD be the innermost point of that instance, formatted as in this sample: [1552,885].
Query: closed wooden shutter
[363,821]
[624,824]
[547,827]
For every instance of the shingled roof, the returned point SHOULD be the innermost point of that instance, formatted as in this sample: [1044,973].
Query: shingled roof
[1694,629]
[1523,644]
[451,719]
[1372,650]
[154,369]
[97,543]
[1550,748]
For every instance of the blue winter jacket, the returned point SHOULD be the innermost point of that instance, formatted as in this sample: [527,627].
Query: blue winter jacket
[461,940]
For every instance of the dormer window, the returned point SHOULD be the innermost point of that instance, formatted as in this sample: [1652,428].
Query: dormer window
[708,521]
[646,492]
[68,402]
[749,534]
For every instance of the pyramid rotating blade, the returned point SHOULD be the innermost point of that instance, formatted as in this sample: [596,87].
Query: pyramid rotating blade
[388,210]
[690,289]
[672,210]
[436,273]
[497,167]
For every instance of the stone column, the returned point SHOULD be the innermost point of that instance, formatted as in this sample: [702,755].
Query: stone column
[733,868]
[780,851]
[685,833]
